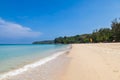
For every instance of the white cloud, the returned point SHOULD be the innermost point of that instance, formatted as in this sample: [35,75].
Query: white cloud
[13,30]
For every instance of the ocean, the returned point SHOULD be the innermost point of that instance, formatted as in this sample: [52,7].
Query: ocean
[13,56]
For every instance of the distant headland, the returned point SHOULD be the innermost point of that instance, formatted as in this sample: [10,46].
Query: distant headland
[99,35]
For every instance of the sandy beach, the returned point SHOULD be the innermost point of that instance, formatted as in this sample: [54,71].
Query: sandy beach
[50,70]
[94,62]
[100,61]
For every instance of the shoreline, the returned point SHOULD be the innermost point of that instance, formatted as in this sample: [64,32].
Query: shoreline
[33,65]
[98,61]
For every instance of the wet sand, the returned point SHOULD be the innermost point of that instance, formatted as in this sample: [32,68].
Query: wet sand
[51,70]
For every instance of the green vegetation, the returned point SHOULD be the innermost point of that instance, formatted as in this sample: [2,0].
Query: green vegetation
[101,35]
[116,30]
[73,39]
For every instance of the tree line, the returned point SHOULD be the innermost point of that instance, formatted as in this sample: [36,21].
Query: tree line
[99,35]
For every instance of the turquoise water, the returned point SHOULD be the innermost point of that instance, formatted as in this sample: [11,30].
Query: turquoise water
[15,56]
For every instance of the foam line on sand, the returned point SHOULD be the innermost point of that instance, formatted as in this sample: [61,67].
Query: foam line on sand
[33,65]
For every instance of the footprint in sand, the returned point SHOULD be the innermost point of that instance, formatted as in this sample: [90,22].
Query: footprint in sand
[115,70]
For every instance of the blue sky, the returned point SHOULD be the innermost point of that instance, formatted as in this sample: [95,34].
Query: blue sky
[25,21]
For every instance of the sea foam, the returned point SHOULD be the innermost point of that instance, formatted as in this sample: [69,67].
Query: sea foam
[36,64]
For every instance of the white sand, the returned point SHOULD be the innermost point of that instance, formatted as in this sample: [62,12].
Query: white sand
[94,62]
